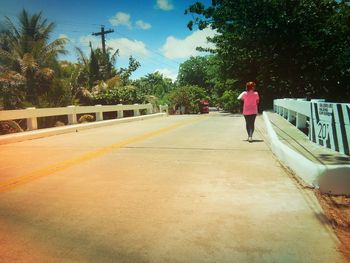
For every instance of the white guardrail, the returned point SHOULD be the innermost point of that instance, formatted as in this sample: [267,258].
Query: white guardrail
[31,114]
[328,123]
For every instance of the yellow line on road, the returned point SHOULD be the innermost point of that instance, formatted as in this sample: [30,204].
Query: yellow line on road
[10,184]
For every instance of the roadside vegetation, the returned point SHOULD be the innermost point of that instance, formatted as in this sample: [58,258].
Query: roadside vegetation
[289,48]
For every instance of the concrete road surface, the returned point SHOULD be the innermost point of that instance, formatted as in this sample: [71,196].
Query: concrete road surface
[171,189]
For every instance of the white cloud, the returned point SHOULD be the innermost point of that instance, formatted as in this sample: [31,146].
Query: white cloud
[165,5]
[95,41]
[126,46]
[121,18]
[143,25]
[167,73]
[184,48]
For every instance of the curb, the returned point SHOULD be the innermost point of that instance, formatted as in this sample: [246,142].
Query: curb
[29,135]
[332,179]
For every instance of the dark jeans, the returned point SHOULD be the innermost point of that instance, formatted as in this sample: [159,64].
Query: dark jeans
[249,121]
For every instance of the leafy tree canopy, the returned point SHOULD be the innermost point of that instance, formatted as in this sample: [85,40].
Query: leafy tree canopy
[187,97]
[290,48]
[155,84]
[25,49]
[195,71]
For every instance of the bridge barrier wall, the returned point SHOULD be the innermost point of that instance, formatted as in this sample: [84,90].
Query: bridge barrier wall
[35,134]
[328,124]
[164,109]
[333,179]
[31,114]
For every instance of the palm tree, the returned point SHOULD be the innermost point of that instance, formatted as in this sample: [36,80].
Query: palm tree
[91,75]
[25,48]
[99,67]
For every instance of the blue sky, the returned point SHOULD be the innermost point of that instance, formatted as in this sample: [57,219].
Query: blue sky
[152,31]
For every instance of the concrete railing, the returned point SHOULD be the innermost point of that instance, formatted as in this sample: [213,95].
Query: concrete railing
[328,123]
[164,108]
[31,114]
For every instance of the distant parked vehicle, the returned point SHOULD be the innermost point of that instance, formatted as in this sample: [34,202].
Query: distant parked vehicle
[204,106]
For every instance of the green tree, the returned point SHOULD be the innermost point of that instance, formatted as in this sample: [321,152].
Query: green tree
[11,89]
[290,48]
[128,94]
[229,102]
[195,71]
[94,70]
[99,67]
[96,80]
[125,73]
[188,97]
[155,84]
[25,48]
[106,62]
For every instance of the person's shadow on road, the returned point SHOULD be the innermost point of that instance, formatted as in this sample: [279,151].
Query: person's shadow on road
[254,141]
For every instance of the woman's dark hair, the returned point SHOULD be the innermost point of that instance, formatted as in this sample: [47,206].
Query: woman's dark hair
[250,85]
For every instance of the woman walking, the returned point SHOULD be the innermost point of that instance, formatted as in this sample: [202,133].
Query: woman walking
[250,107]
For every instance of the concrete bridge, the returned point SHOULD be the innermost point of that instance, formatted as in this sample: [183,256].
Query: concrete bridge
[186,188]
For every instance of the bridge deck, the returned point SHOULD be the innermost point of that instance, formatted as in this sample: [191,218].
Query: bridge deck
[171,189]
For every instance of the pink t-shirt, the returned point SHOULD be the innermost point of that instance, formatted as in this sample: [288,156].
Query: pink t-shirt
[251,101]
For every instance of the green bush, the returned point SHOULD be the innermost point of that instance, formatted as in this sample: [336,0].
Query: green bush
[118,95]
[188,97]
[229,102]
[12,89]
[10,126]
[59,124]
[86,118]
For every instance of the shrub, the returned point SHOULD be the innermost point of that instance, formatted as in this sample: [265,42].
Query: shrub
[188,97]
[229,102]
[7,127]
[59,124]
[12,89]
[118,95]
[86,118]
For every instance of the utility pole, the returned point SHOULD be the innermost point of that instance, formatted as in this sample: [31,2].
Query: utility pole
[102,33]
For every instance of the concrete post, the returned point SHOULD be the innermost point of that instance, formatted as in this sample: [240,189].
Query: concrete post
[291,115]
[163,108]
[99,113]
[32,123]
[301,121]
[136,111]
[285,113]
[120,113]
[149,108]
[72,118]
[166,108]
[277,109]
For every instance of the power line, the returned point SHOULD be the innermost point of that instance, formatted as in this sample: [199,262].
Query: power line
[149,60]
[154,52]
[147,49]
[103,32]
[77,24]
